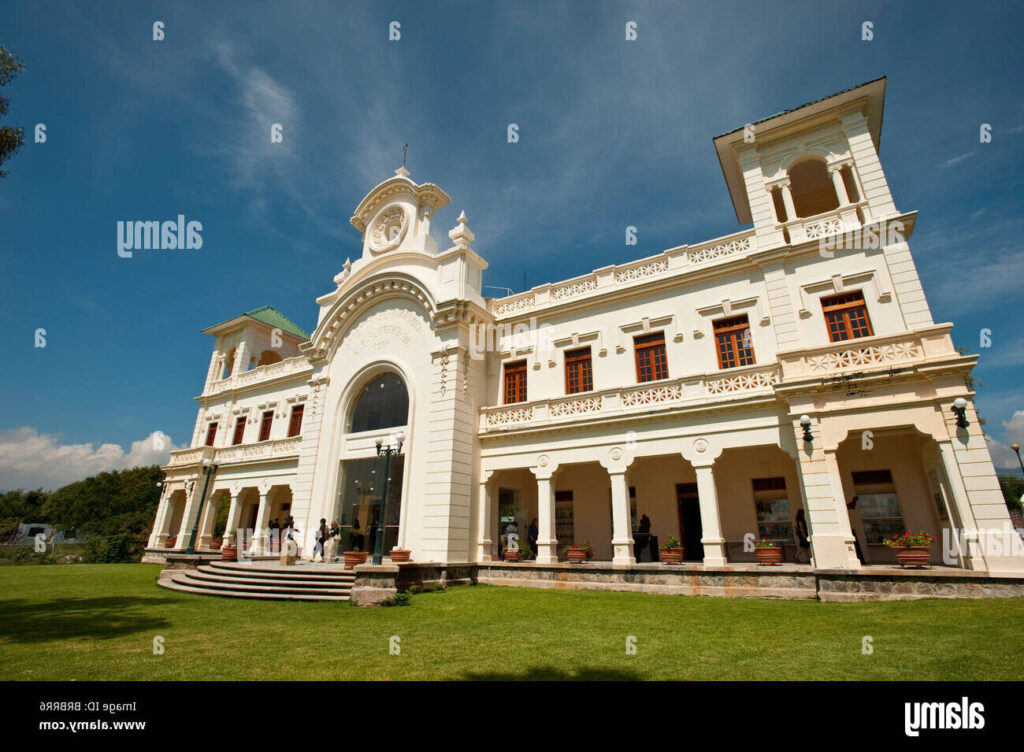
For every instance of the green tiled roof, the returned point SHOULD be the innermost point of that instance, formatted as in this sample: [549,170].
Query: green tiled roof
[806,104]
[274,318]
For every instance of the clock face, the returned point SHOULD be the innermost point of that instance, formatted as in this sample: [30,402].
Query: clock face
[388,229]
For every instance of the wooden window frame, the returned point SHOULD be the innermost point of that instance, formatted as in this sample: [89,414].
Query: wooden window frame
[239,435]
[514,382]
[843,305]
[295,420]
[211,434]
[726,334]
[651,343]
[266,423]
[579,368]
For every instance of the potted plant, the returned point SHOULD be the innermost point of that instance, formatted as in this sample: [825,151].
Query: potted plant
[354,558]
[579,552]
[400,555]
[215,544]
[768,552]
[171,540]
[672,550]
[514,554]
[228,551]
[912,549]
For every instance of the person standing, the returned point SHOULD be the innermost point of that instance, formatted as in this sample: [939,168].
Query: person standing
[854,518]
[802,537]
[532,534]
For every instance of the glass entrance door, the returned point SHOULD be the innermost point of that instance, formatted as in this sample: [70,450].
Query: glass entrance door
[359,503]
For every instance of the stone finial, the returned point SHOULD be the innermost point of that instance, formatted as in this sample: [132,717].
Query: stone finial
[461,235]
[346,269]
[402,171]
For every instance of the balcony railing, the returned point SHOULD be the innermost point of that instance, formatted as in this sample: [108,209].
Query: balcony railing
[698,389]
[616,277]
[879,353]
[278,448]
[844,219]
[260,450]
[258,375]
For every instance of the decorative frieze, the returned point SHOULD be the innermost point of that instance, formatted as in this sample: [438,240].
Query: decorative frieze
[573,289]
[509,416]
[580,406]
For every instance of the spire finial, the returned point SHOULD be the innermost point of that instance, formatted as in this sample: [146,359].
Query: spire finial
[405,152]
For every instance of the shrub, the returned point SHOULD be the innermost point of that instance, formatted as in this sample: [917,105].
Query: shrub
[115,549]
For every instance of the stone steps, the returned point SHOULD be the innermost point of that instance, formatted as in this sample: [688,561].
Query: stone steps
[234,580]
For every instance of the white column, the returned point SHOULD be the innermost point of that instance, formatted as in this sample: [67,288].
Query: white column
[155,538]
[208,522]
[259,535]
[622,533]
[710,521]
[188,518]
[547,543]
[484,550]
[787,201]
[973,558]
[837,182]
[230,533]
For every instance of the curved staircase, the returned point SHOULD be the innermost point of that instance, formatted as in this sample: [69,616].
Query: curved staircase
[262,582]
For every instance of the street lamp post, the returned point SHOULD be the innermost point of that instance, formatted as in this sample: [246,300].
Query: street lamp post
[208,469]
[1016,449]
[394,447]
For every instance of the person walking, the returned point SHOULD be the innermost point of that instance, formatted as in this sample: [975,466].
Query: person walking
[320,537]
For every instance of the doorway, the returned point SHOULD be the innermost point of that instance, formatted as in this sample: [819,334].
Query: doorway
[690,529]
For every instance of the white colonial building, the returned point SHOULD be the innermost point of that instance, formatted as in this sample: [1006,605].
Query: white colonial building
[672,386]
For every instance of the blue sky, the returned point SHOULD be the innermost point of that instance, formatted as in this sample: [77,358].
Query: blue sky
[613,133]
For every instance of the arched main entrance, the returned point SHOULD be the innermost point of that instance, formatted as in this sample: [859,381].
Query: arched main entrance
[379,409]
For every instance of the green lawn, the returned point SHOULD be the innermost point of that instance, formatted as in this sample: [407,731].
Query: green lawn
[99,622]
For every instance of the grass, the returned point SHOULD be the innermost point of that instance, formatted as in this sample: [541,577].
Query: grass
[99,622]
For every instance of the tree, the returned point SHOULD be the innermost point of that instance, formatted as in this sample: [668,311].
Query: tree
[119,502]
[11,137]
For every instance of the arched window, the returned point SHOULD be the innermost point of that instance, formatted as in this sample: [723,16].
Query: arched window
[812,188]
[383,403]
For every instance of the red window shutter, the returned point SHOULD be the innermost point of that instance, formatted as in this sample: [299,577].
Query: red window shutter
[295,424]
[732,338]
[846,316]
[515,382]
[651,361]
[579,371]
[268,420]
[211,434]
[239,431]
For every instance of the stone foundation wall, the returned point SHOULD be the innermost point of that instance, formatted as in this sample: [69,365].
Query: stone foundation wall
[776,582]
[905,586]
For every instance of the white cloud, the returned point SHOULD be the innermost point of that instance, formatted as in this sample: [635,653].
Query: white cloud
[1003,457]
[29,459]
[957,160]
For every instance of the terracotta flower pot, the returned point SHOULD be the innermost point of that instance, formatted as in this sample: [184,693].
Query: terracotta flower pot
[577,555]
[673,555]
[516,555]
[171,540]
[769,556]
[912,556]
[355,558]
[229,552]
[399,555]
[215,544]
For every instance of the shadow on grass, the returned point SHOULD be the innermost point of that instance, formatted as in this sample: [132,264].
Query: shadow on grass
[67,618]
[549,673]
